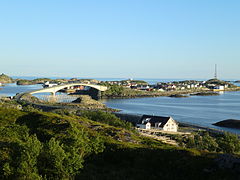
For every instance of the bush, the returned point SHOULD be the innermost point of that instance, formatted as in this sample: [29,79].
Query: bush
[108,118]
[44,145]
[114,90]
[19,153]
[229,143]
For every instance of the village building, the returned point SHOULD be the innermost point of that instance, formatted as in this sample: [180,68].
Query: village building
[144,125]
[158,122]
[48,84]
[219,88]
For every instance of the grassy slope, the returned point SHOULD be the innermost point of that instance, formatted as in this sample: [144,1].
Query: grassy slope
[127,155]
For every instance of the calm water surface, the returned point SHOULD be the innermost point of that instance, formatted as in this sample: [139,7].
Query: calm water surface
[198,110]
[12,89]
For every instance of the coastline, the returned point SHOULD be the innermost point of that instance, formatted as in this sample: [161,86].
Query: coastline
[62,106]
[134,118]
[143,94]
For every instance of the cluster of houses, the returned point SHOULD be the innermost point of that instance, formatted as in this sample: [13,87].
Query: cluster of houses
[158,122]
[170,86]
[144,86]
[127,83]
[182,85]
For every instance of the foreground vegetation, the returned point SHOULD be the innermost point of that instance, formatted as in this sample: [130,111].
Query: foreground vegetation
[211,142]
[95,145]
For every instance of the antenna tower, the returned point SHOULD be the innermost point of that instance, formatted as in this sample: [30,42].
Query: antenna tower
[215,74]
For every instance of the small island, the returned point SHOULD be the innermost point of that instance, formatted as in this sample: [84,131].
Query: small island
[53,81]
[5,79]
[230,123]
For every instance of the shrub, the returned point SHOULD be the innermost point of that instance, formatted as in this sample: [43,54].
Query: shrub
[108,118]
[229,143]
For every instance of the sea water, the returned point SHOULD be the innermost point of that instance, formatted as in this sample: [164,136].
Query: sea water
[197,110]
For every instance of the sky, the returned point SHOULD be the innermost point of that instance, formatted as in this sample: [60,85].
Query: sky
[120,38]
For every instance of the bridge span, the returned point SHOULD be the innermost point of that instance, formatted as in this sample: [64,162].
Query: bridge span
[57,88]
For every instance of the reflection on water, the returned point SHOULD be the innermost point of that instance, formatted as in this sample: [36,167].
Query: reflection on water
[57,98]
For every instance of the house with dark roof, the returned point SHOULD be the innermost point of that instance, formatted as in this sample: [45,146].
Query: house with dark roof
[158,122]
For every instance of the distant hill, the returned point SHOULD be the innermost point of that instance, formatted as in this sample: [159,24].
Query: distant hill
[5,79]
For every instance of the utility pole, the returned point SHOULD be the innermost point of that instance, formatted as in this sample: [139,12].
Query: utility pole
[215,74]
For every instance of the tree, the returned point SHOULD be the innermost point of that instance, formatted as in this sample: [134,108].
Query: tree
[229,143]
[19,153]
[27,168]
[114,90]
[107,118]
[203,141]
[209,143]
[51,163]
[78,144]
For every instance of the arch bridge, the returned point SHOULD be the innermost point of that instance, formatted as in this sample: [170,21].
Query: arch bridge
[57,88]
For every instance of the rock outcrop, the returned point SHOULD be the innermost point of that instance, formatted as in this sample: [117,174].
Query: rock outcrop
[205,94]
[230,123]
[178,96]
[5,79]
[87,101]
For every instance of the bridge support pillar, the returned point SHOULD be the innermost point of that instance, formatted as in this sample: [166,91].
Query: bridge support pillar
[99,95]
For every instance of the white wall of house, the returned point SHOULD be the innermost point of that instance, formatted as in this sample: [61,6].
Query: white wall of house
[148,125]
[171,125]
[220,87]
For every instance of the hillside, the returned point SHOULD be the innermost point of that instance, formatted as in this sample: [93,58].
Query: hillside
[92,145]
[5,79]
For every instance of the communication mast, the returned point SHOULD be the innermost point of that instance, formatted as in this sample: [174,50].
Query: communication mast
[215,74]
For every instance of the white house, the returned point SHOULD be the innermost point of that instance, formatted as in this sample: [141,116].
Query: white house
[48,84]
[158,122]
[219,88]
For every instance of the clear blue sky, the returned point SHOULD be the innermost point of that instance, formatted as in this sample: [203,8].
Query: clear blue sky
[120,38]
